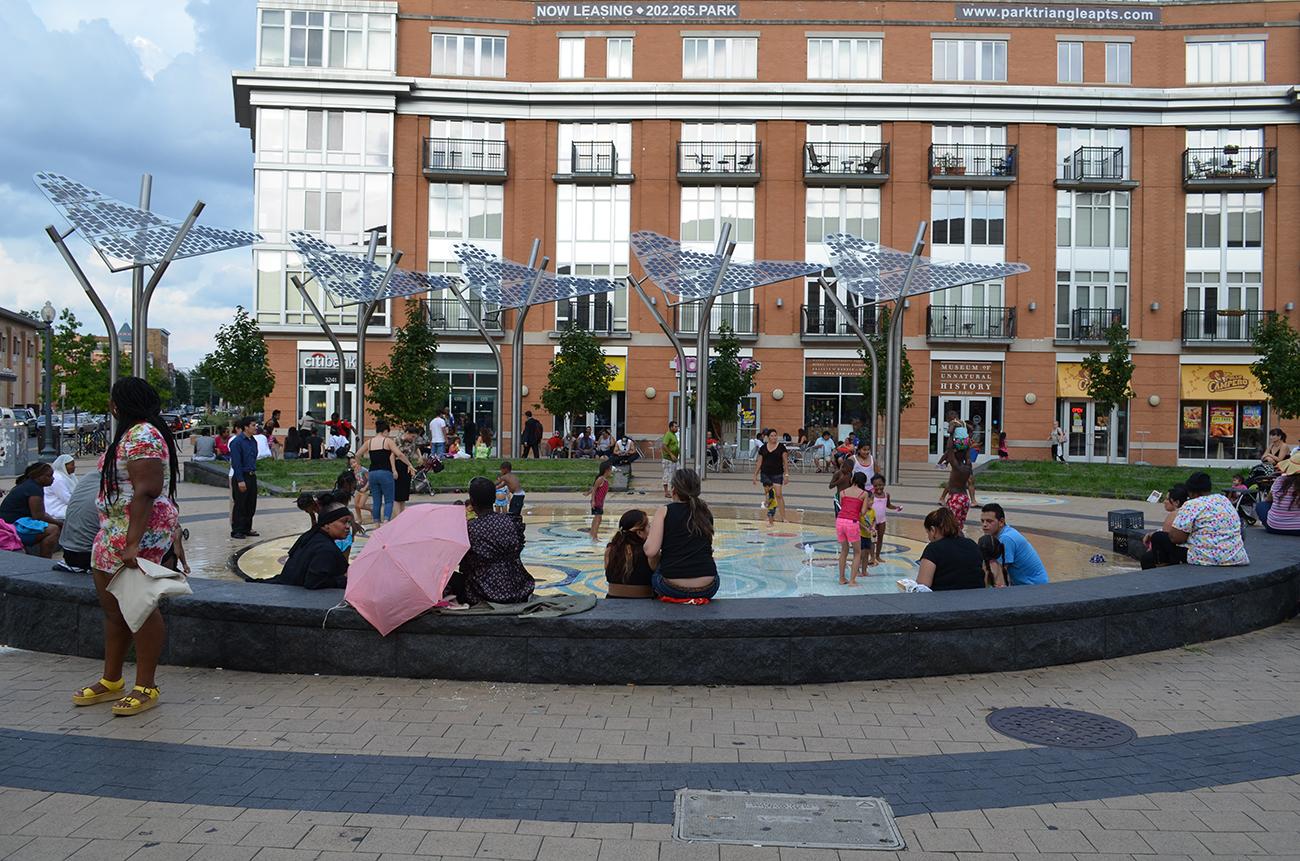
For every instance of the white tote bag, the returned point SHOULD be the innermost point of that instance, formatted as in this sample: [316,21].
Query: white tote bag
[139,590]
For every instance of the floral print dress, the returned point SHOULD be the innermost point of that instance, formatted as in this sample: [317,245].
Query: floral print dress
[142,442]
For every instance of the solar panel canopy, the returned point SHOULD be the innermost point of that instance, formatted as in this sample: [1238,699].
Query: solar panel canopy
[694,274]
[353,279]
[127,237]
[507,284]
[877,272]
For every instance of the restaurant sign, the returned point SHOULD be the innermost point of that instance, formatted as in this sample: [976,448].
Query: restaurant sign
[1221,383]
[968,378]
[636,11]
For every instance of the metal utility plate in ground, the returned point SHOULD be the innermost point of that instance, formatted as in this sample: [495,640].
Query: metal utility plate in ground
[1055,727]
[768,819]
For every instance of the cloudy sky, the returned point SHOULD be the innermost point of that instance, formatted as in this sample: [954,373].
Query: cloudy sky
[103,91]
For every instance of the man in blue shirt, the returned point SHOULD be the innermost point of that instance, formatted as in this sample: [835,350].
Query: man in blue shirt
[243,479]
[1019,559]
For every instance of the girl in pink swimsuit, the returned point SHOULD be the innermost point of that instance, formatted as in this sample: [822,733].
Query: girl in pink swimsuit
[852,500]
[881,504]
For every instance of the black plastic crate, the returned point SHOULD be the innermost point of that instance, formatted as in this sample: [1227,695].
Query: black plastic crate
[1128,542]
[1125,518]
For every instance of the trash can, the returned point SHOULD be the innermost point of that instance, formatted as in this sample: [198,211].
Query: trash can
[13,447]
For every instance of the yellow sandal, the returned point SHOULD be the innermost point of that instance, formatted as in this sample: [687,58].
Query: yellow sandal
[138,699]
[88,696]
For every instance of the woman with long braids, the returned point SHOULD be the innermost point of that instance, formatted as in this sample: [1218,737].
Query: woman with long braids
[137,516]
[680,545]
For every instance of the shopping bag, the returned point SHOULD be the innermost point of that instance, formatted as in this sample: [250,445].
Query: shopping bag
[139,590]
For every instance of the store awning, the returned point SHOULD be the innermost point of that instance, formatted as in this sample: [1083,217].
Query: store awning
[1220,383]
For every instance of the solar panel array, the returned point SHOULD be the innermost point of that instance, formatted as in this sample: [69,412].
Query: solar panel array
[694,274]
[354,280]
[876,272]
[125,236]
[507,283]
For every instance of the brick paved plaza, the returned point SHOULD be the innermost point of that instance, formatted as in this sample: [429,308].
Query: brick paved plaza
[242,766]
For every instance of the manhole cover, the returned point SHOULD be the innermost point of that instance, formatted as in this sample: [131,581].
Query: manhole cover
[810,821]
[1060,727]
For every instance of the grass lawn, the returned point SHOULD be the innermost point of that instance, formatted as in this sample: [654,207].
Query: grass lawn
[535,474]
[1109,481]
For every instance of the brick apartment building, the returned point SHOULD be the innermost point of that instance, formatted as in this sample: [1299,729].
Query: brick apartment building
[21,343]
[1139,156]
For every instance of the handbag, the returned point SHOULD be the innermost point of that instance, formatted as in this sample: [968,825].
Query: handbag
[139,590]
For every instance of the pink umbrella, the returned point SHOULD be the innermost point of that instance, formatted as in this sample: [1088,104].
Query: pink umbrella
[405,565]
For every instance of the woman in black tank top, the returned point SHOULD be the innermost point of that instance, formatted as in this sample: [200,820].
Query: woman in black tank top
[680,545]
[383,453]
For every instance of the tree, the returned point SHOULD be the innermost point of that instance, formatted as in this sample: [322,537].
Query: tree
[181,389]
[1278,366]
[1108,379]
[729,384]
[161,382]
[407,390]
[75,367]
[578,382]
[239,367]
[907,378]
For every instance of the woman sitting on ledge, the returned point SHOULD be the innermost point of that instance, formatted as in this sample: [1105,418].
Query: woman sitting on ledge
[950,560]
[1281,513]
[627,570]
[316,560]
[1209,526]
[491,569]
[680,545]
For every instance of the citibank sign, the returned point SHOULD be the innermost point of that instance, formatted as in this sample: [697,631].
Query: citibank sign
[317,361]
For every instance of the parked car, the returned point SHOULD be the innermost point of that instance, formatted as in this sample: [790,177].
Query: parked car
[174,422]
[25,417]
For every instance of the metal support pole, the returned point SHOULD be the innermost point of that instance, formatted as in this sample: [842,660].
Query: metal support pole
[681,359]
[161,269]
[517,355]
[894,412]
[48,452]
[329,333]
[488,339]
[725,249]
[365,311]
[867,347]
[114,344]
[138,355]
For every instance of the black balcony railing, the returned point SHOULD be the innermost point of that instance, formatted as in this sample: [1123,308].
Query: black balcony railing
[594,315]
[981,160]
[448,315]
[593,158]
[464,156]
[1224,325]
[1095,164]
[1090,324]
[845,159]
[1229,164]
[742,318]
[824,321]
[737,159]
[959,322]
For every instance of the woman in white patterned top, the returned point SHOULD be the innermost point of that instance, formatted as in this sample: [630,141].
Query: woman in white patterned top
[1209,526]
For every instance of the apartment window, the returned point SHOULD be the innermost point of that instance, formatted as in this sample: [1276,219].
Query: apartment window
[1092,219]
[1069,62]
[1099,291]
[471,212]
[844,59]
[278,302]
[591,240]
[842,210]
[717,57]
[1218,221]
[618,58]
[968,217]
[969,60]
[1225,62]
[705,208]
[293,136]
[470,56]
[338,40]
[573,58]
[335,206]
[594,158]
[1119,63]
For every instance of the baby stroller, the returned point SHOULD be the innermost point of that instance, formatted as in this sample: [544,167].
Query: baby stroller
[1244,501]
[420,481]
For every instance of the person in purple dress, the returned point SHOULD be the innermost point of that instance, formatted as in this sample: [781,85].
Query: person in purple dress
[491,568]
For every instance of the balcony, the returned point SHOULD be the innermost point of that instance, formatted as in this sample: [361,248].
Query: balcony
[1090,324]
[1229,168]
[970,323]
[743,319]
[718,162]
[1095,168]
[825,323]
[1223,327]
[858,164]
[972,165]
[593,163]
[448,317]
[592,314]
[462,159]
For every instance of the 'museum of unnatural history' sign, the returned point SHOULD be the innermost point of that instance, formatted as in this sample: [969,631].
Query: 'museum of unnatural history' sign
[635,11]
[1059,13]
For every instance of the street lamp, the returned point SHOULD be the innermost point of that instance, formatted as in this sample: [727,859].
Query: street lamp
[48,452]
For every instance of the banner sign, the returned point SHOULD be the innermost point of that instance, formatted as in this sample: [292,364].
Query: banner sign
[321,361]
[1220,383]
[968,378]
[1057,14]
[601,12]
[1071,380]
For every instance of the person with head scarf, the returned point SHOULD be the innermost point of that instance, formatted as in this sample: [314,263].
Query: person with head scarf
[318,559]
[59,494]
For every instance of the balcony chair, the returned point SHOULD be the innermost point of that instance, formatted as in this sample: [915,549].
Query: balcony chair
[871,163]
[818,165]
[745,164]
[703,162]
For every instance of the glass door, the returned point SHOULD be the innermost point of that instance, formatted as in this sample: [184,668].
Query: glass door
[976,412]
[1092,437]
[322,401]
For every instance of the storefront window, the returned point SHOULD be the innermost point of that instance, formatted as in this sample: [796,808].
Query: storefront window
[472,382]
[1222,430]
[830,402]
